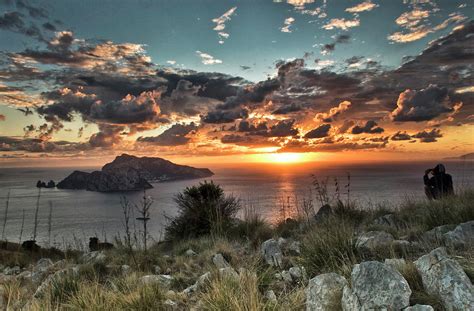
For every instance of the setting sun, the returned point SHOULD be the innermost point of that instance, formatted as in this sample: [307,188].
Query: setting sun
[284,157]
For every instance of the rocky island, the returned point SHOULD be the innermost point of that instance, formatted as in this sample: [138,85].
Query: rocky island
[131,173]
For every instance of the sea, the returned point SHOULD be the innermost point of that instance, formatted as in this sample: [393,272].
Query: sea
[67,218]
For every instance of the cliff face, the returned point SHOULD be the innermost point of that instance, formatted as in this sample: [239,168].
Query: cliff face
[130,173]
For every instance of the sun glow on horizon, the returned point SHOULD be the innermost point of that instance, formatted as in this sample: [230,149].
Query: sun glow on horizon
[282,157]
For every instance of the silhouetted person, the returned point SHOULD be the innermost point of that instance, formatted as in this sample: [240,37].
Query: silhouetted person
[439,185]
[95,245]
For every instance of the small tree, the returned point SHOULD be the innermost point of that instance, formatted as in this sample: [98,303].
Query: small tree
[203,210]
[144,211]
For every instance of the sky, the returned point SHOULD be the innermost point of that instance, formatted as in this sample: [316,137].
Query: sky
[236,81]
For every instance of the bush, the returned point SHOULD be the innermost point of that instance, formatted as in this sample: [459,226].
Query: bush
[203,210]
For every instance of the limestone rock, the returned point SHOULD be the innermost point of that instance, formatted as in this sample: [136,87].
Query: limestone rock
[376,286]
[270,296]
[374,240]
[419,308]
[190,253]
[324,292]
[435,235]
[161,279]
[271,252]
[297,273]
[461,237]
[445,278]
[201,281]
[219,261]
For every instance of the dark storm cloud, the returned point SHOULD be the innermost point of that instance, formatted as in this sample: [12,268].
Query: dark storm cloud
[370,127]
[319,132]
[252,94]
[428,136]
[400,136]
[245,126]
[225,116]
[282,129]
[174,136]
[286,109]
[423,105]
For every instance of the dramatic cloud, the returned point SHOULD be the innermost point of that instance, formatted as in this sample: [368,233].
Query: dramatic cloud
[287,24]
[207,59]
[370,127]
[428,136]
[286,109]
[174,136]
[319,132]
[423,105]
[333,112]
[220,24]
[361,7]
[131,109]
[341,23]
[400,136]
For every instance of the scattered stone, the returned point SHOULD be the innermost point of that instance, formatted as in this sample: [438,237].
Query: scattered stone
[284,276]
[162,279]
[270,296]
[43,264]
[201,281]
[24,275]
[374,240]
[376,286]
[58,275]
[419,308]
[405,246]
[12,270]
[445,278]
[390,220]
[297,273]
[295,248]
[190,253]
[461,237]
[228,272]
[271,252]
[219,261]
[324,292]
[170,303]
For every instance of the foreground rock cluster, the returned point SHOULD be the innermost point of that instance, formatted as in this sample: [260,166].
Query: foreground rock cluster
[369,285]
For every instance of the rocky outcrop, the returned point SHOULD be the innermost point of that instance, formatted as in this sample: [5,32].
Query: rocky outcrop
[461,237]
[445,278]
[324,292]
[375,286]
[130,173]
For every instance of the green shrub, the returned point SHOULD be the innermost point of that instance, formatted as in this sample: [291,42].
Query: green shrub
[203,210]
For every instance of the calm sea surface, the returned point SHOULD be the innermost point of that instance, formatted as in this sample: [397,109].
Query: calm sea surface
[81,214]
